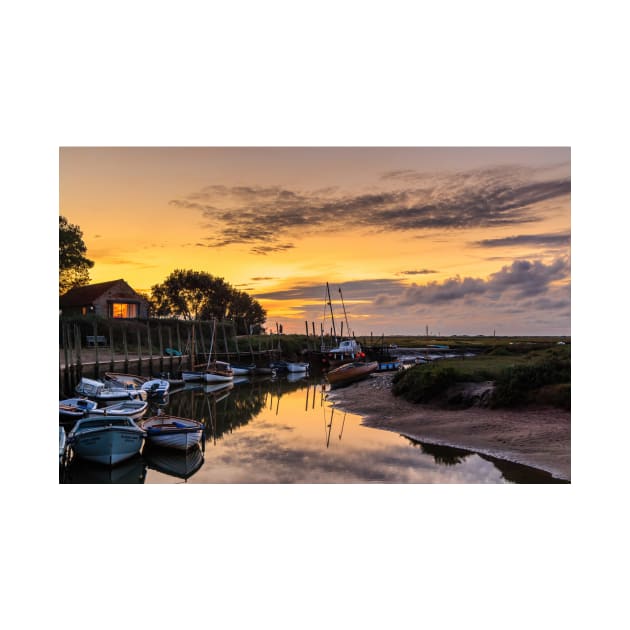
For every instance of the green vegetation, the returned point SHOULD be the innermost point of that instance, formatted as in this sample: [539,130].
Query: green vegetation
[523,375]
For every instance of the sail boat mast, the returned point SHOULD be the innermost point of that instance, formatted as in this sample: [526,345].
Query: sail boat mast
[344,314]
[332,317]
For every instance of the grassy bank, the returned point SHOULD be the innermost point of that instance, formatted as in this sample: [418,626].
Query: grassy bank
[523,374]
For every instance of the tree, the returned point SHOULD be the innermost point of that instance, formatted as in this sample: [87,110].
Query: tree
[73,265]
[200,295]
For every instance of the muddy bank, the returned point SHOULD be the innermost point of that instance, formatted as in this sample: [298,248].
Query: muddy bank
[540,438]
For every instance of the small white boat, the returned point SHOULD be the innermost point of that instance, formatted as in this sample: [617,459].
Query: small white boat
[297,367]
[243,370]
[75,408]
[106,439]
[133,409]
[156,387]
[172,432]
[100,391]
[62,443]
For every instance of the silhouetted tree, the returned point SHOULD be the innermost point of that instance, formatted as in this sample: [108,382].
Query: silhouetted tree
[200,295]
[73,265]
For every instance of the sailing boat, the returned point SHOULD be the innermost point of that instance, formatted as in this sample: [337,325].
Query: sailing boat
[215,371]
[347,350]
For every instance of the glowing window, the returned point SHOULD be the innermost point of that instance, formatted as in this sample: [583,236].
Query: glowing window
[123,310]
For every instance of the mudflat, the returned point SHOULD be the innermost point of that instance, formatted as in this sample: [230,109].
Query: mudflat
[537,437]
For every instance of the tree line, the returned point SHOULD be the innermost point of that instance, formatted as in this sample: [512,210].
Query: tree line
[186,294]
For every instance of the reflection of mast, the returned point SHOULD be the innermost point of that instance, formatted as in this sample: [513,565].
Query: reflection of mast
[213,413]
[328,427]
[343,422]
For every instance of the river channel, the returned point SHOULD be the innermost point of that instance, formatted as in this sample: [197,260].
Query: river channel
[285,430]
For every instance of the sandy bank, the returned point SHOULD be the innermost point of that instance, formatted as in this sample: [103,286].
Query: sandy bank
[540,438]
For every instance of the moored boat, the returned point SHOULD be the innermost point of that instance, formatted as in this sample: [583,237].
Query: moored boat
[133,409]
[62,443]
[106,439]
[297,367]
[107,391]
[172,432]
[156,387]
[218,372]
[350,373]
[75,408]
[242,370]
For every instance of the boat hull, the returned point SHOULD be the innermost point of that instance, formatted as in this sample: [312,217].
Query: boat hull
[172,432]
[108,445]
[350,373]
[213,377]
[133,409]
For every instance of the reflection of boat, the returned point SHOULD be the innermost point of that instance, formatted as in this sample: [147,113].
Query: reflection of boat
[62,443]
[217,388]
[172,431]
[239,380]
[134,409]
[297,367]
[106,439]
[132,470]
[100,391]
[292,377]
[181,464]
[74,408]
[350,373]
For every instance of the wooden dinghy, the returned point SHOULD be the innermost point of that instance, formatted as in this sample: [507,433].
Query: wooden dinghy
[172,432]
[350,373]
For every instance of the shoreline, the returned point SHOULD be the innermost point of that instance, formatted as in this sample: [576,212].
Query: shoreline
[539,438]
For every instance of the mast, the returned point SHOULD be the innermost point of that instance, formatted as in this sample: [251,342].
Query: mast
[344,313]
[332,318]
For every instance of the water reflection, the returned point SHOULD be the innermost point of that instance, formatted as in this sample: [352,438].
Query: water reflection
[284,430]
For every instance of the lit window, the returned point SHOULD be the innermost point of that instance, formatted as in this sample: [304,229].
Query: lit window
[123,310]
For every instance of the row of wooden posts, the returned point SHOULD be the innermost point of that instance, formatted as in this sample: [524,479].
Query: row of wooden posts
[197,346]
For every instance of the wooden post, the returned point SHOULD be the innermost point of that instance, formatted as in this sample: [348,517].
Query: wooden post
[150,348]
[193,356]
[65,334]
[96,364]
[225,342]
[238,352]
[203,343]
[161,347]
[170,345]
[77,345]
[111,347]
[179,338]
[125,349]
[139,350]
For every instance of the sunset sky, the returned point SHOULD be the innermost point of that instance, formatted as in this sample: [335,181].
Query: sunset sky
[462,240]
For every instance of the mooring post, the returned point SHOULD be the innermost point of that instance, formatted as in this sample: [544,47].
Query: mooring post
[161,347]
[225,342]
[96,365]
[111,346]
[139,341]
[150,347]
[170,345]
[125,348]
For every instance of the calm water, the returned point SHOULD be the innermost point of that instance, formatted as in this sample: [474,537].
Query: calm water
[286,431]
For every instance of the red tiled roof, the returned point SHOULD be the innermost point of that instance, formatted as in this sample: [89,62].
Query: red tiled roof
[82,296]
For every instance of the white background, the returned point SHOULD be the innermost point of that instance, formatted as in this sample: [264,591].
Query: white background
[317,74]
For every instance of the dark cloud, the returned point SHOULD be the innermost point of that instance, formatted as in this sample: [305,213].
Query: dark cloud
[357,290]
[263,278]
[416,272]
[542,240]
[523,278]
[264,217]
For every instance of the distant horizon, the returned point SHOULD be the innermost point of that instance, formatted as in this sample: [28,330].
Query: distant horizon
[466,240]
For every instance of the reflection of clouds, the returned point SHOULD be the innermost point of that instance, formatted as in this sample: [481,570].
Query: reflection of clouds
[266,452]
